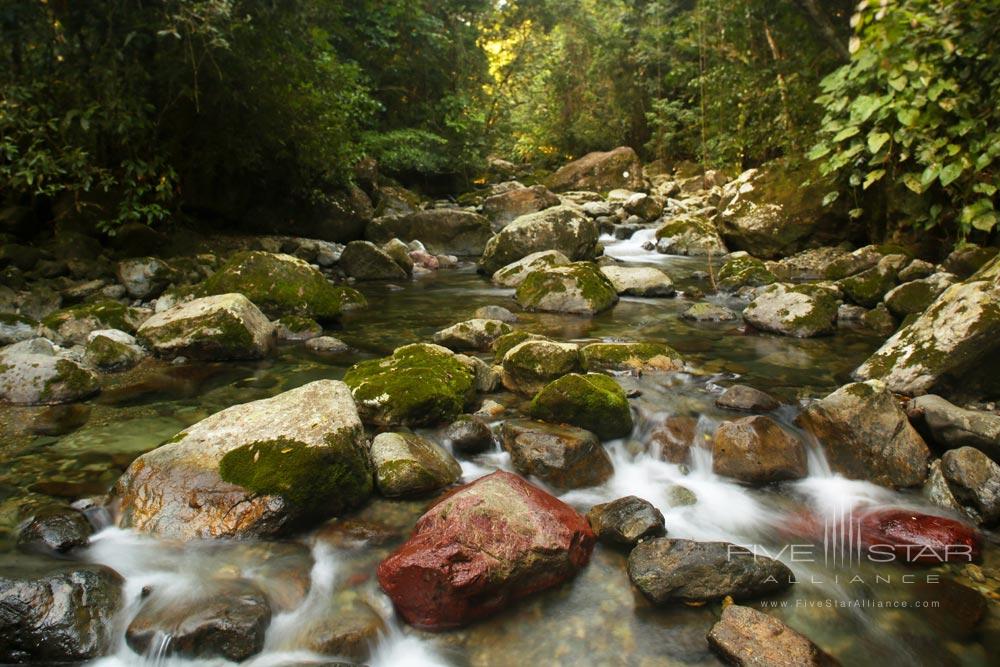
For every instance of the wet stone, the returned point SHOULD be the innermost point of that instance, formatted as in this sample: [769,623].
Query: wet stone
[747,399]
[626,521]
[469,435]
[563,456]
[745,636]
[55,529]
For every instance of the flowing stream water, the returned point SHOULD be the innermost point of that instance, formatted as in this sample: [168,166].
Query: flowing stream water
[597,618]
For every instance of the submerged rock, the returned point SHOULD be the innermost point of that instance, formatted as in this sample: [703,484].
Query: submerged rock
[756,450]
[327,345]
[593,401]
[668,570]
[282,285]
[561,228]
[483,546]
[709,312]
[408,465]
[626,521]
[748,399]
[363,260]
[600,171]
[913,537]
[639,281]
[531,364]
[252,470]
[225,326]
[745,636]
[443,231]
[954,339]
[476,334]
[866,435]
[417,384]
[801,311]
[56,611]
[630,357]
[227,623]
[578,288]
[564,457]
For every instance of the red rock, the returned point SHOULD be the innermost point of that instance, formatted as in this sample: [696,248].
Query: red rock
[481,547]
[913,537]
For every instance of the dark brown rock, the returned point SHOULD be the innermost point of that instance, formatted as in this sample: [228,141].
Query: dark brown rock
[626,521]
[757,450]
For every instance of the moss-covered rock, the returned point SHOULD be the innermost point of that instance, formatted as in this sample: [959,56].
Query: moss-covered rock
[505,343]
[593,401]
[630,357]
[561,228]
[220,327]
[693,235]
[74,324]
[408,465]
[281,285]
[579,288]
[530,365]
[15,328]
[514,273]
[953,344]
[801,311]
[870,286]
[647,281]
[297,328]
[709,312]
[29,378]
[112,350]
[741,270]
[475,334]
[253,470]
[363,260]
[914,297]
[417,384]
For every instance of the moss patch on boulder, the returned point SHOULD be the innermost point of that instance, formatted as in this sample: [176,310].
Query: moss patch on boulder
[630,357]
[579,288]
[593,402]
[741,270]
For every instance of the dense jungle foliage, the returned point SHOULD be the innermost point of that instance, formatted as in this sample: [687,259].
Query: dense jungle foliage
[140,109]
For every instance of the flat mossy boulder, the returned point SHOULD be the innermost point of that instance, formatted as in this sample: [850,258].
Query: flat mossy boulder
[514,273]
[916,296]
[408,465]
[599,171]
[443,231]
[801,311]
[418,384]
[281,285]
[647,281]
[564,457]
[253,470]
[562,228]
[476,334]
[692,235]
[630,357]
[74,324]
[954,344]
[593,402]
[705,311]
[811,264]
[220,327]
[363,260]
[531,364]
[38,377]
[869,287]
[741,270]
[579,288]
[505,343]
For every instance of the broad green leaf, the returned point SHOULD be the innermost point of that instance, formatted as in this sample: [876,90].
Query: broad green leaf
[912,181]
[872,177]
[830,198]
[846,133]
[950,173]
[908,117]
[818,151]
[856,213]
[876,140]
[898,83]
[864,106]
[986,222]
[930,173]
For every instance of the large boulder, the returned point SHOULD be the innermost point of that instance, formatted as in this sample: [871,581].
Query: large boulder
[514,273]
[562,228]
[408,465]
[531,364]
[775,215]
[145,277]
[742,270]
[745,637]
[34,375]
[225,326]
[564,457]
[505,207]
[639,281]
[950,427]
[692,235]
[57,612]
[281,285]
[417,384]
[914,537]
[974,480]
[363,260]
[635,357]
[953,344]
[252,470]
[579,288]
[869,287]
[593,401]
[756,450]
[475,334]
[916,296]
[483,546]
[802,311]
[443,231]
[866,435]
[668,570]
[618,168]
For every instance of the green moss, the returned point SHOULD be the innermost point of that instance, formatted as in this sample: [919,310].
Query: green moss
[325,479]
[593,402]
[69,381]
[11,320]
[596,291]
[418,384]
[298,324]
[744,270]
[909,298]
[625,356]
[700,225]
[106,314]
[218,334]
[504,343]
[868,287]
[106,353]
[281,285]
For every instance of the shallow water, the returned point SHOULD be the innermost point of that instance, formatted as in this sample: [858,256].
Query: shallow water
[597,619]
